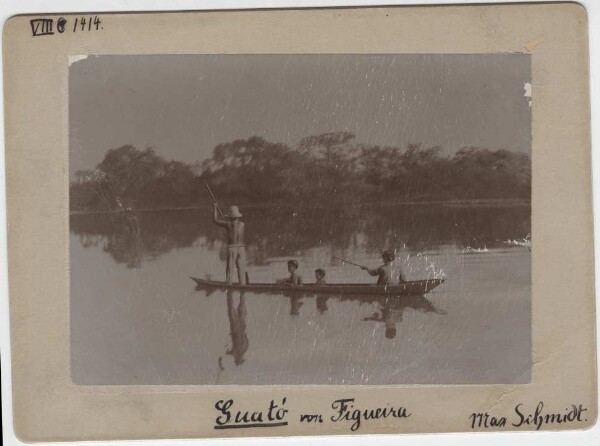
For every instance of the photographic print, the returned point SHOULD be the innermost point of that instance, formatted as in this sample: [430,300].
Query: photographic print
[330,221]
[300,219]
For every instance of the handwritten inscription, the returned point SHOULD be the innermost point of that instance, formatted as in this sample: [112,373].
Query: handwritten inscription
[274,415]
[45,26]
[42,27]
[314,418]
[345,411]
[523,417]
[484,419]
[87,24]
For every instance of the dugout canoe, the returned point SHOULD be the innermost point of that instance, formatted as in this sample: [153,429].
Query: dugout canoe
[414,288]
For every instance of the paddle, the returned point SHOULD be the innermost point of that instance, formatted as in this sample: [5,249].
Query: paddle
[348,261]
[214,200]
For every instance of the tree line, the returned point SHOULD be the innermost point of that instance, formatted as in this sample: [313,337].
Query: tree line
[326,170]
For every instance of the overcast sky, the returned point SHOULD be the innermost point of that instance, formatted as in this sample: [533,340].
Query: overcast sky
[184,105]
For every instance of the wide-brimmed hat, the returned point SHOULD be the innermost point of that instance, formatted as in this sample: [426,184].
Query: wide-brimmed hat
[234,212]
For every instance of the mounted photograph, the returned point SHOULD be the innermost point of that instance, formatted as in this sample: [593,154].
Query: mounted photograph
[300,219]
[300,222]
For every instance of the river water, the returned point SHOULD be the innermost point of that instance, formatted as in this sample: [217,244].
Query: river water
[137,318]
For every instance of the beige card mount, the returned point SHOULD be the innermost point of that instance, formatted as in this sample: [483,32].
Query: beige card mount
[300,222]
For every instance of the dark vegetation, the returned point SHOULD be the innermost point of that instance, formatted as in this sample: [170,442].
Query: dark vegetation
[328,191]
[132,237]
[329,170]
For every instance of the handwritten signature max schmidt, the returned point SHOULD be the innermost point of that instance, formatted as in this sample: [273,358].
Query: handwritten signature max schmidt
[523,418]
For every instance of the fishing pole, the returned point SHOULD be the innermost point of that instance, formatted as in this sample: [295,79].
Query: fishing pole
[214,200]
[348,261]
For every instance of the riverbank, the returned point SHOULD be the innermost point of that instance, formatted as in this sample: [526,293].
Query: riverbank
[503,202]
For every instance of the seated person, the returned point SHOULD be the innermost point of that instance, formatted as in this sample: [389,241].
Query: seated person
[295,278]
[384,272]
[320,277]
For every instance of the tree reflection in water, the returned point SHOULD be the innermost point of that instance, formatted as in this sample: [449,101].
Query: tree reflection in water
[131,237]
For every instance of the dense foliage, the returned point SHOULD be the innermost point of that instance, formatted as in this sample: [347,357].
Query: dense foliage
[328,169]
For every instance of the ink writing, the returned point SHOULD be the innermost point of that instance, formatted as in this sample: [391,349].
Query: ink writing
[46,26]
[522,417]
[311,418]
[539,417]
[345,411]
[272,416]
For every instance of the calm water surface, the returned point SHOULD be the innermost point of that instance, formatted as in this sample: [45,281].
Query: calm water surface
[136,317]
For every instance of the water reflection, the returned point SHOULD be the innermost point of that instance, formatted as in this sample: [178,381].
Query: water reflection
[390,312]
[295,304]
[156,329]
[133,237]
[237,316]
[321,302]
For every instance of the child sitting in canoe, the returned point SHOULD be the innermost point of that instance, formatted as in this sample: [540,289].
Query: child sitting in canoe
[295,278]
[320,277]
[384,272]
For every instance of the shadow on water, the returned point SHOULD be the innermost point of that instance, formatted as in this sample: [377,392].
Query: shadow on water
[133,237]
[390,312]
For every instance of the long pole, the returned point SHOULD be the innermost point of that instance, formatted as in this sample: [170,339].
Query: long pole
[214,200]
[348,261]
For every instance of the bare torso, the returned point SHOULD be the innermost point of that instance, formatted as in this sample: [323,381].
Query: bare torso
[235,233]
[235,229]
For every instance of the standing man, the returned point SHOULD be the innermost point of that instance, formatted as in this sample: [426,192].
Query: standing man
[236,250]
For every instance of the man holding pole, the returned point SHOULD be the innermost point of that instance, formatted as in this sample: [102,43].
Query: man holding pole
[236,250]
[384,272]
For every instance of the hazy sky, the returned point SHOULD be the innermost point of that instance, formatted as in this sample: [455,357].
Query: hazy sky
[184,105]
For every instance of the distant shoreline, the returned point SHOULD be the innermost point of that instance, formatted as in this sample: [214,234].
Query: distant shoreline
[474,203]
